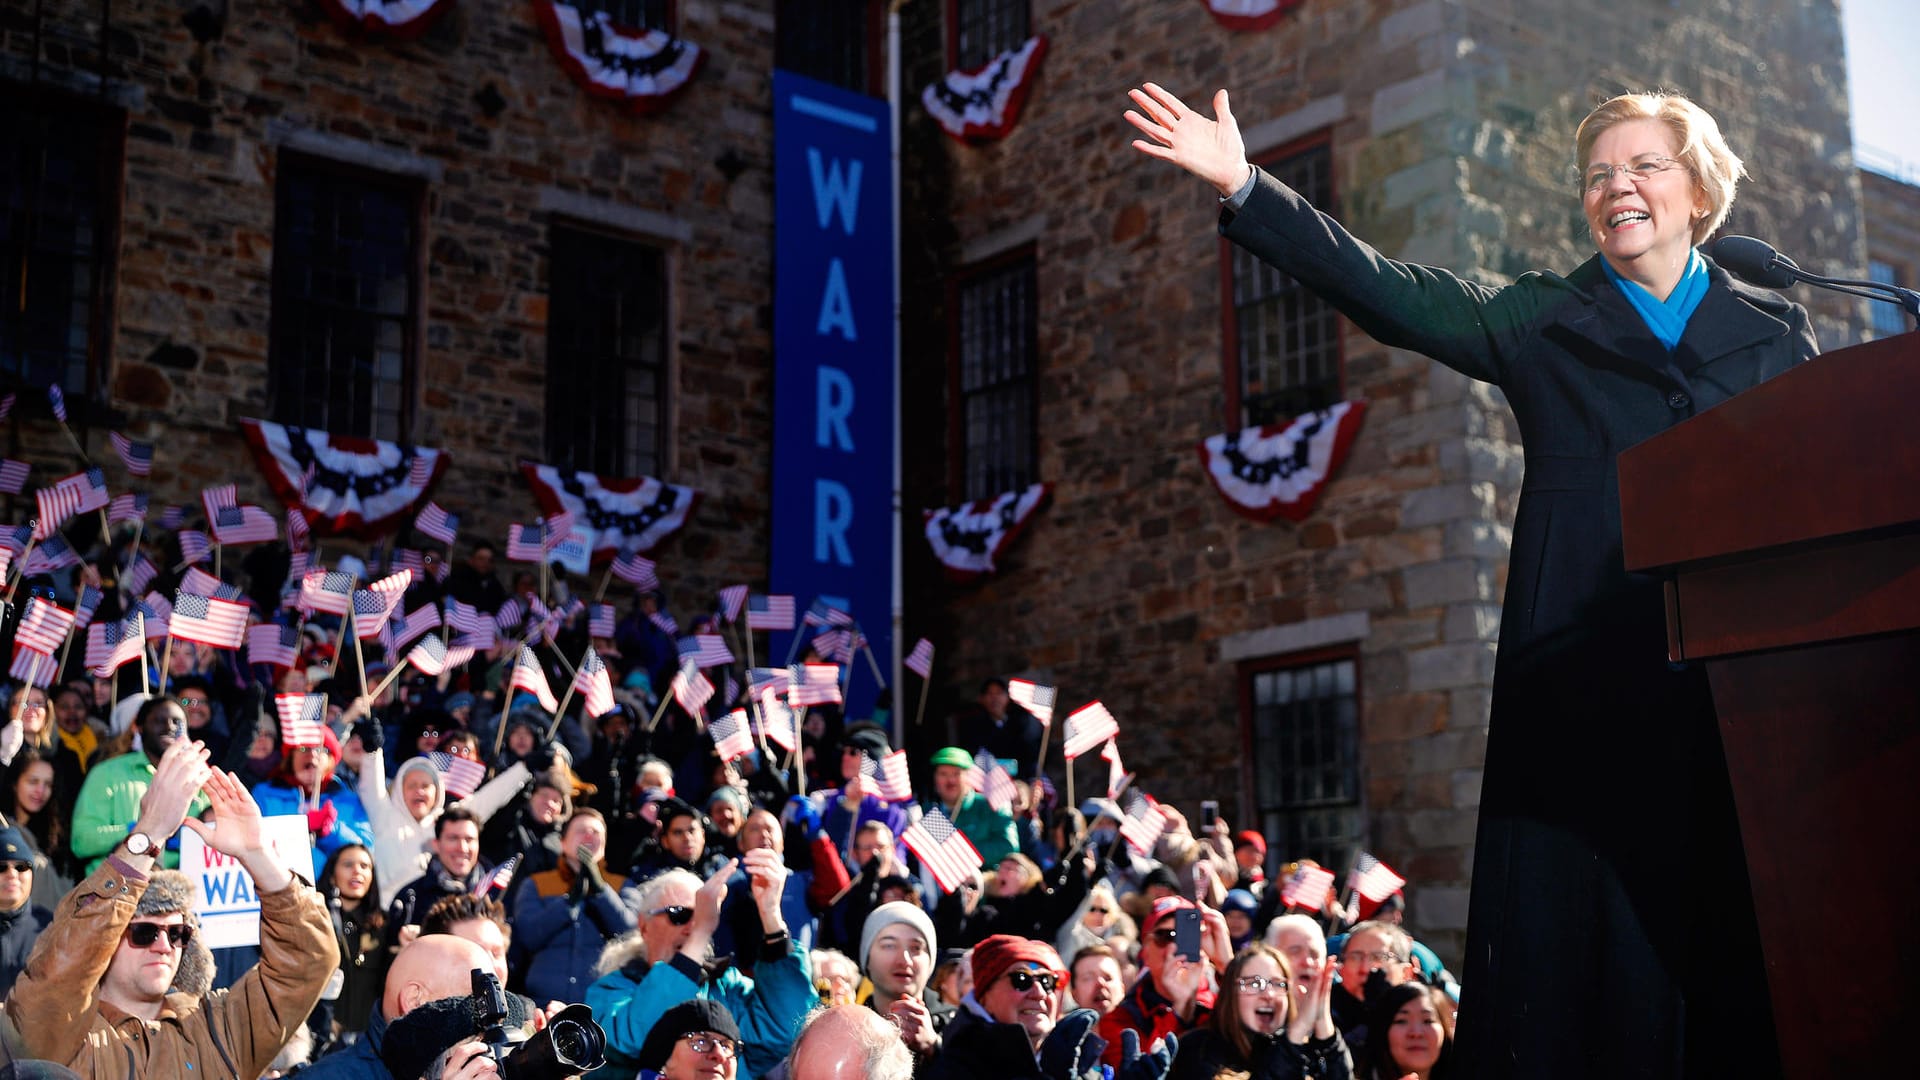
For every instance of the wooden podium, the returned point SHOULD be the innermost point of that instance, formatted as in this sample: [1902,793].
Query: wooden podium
[1788,522]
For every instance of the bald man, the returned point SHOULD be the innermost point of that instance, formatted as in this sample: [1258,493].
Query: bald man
[849,1042]
[430,968]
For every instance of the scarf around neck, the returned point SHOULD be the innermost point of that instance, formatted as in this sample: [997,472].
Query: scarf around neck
[1667,319]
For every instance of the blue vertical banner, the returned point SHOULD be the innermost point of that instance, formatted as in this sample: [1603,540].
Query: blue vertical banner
[833,331]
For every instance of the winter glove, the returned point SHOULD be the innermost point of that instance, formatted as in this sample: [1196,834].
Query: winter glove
[322,819]
[1072,1050]
[801,810]
[541,759]
[371,736]
[590,871]
[1135,1065]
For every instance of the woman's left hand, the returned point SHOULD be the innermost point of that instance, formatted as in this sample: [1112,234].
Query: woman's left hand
[1311,1011]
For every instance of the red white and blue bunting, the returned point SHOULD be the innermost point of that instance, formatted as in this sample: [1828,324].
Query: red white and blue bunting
[395,18]
[966,539]
[1279,470]
[616,515]
[1249,14]
[984,104]
[645,69]
[343,485]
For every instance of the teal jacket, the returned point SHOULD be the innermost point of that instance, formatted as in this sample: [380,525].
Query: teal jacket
[990,830]
[768,1007]
[109,804]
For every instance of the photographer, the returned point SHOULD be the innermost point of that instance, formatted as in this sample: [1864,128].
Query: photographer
[95,994]
[435,966]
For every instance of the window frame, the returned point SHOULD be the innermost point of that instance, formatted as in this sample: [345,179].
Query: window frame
[672,26]
[414,323]
[875,70]
[89,402]
[957,284]
[663,374]
[1883,319]
[1229,323]
[952,14]
[1250,810]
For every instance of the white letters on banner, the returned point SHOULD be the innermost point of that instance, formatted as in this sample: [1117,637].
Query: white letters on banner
[223,893]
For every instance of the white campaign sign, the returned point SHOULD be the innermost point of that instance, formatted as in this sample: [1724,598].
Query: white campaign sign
[223,893]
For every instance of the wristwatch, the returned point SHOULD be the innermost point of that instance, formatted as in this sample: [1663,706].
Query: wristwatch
[141,844]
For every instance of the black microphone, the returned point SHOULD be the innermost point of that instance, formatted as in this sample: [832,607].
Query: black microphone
[1757,263]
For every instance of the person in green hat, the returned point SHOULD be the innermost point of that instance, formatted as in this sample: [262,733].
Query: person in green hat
[990,830]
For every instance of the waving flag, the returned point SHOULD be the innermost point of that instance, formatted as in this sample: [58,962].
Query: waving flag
[638,571]
[219,623]
[369,614]
[81,493]
[464,775]
[555,529]
[127,508]
[33,668]
[601,621]
[691,689]
[944,850]
[1374,881]
[823,613]
[1034,698]
[172,517]
[778,721]
[329,591]
[920,660]
[1088,727]
[835,645]
[891,780]
[733,599]
[155,611]
[814,684]
[497,881]
[706,650]
[53,554]
[1116,772]
[194,546]
[403,630]
[1143,824]
[244,525]
[773,612]
[523,543]
[57,399]
[1308,887]
[43,626]
[84,605]
[594,685]
[199,582]
[136,456]
[13,475]
[665,622]
[111,644]
[302,716]
[994,783]
[511,613]
[732,737]
[760,680]
[435,522]
[271,643]
[528,676]
[140,574]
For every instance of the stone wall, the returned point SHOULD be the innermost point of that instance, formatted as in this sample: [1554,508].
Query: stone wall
[1892,212]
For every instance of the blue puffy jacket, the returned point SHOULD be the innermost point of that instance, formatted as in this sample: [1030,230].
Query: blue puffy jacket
[350,826]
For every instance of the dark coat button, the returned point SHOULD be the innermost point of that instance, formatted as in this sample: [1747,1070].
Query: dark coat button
[1679,400]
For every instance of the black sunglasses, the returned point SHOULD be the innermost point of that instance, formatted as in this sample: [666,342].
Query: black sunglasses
[17,867]
[144,934]
[677,915]
[1022,981]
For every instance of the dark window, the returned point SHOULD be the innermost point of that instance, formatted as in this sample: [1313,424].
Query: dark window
[983,29]
[998,345]
[606,354]
[59,212]
[1283,347]
[1303,727]
[1885,319]
[345,298]
[828,40]
[632,14]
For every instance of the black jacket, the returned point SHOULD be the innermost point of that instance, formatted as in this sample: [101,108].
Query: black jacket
[1203,1054]
[1605,795]
[411,903]
[973,1048]
[19,929]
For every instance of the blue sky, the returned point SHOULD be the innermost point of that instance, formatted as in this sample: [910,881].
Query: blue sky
[1883,77]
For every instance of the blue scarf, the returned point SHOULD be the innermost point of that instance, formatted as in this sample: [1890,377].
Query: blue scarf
[1666,318]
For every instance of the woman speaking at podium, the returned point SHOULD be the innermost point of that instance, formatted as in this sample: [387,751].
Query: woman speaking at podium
[1611,931]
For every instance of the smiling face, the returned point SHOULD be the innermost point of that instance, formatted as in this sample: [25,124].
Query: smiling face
[34,788]
[1643,226]
[420,791]
[353,873]
[1034,1008]
[1416,1035]
[33,713]
[457,846]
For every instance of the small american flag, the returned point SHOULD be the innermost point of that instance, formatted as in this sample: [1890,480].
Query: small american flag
[555,529]
[665,622]
[419,470]
[85,604]
[823,613]
[637,570]
[601,621]
[733,598]
[528,676]
[1307,887]
[416,622]
[33,668]
[706,650]
[773,612]
[464,776]
[429,657]
[199,582]
[524,543]
[412,560]
[732,735]
[814,684]
[1116,772]
[6,406]
[370,610]
[92,487]
[154,612]
[1087,727]
[15,538]
[1034,698]
[467,619]
[43,626]
[219,623]
[497,881]
[127,508]
[944,850]
[194,545]
[1374,879]
[13,475]
[302,716]
[760,680]
[218,497]
[835,645]
[271,643]
[434,522]
[136,456]
[298,531]
[328,591]
[76,494]
[995,784]
[172,517]
[244,525]
[891,780]
[920,660]
[58,399]
[511,613]
[54,553]
[594,685]
[1143,824]
[778,721]
[691,689]
[111,644]
[140,574]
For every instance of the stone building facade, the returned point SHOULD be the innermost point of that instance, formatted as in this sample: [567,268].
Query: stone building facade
[1891,208]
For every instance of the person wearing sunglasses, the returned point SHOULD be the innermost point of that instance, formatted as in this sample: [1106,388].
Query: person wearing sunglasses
[119,984]
[1174,994]
[21,920]
[1002,1023]
[1268,1023]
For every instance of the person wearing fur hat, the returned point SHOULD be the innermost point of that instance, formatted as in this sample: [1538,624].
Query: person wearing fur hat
[897,948]
[21,920]
[303,783]
[108,992]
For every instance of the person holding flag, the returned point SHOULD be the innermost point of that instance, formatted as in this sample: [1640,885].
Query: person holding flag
[304,781]
[990,830]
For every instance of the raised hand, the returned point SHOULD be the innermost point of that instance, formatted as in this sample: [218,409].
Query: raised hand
[180,774]
[767,874]
[916,1025]
[237,830]
[1209,149]
[706,902]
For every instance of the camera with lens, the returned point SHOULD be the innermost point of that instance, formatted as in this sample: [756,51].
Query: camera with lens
[570,1045]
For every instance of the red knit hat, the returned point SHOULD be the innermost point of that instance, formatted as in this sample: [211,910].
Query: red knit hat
[1250,838]
[993,957]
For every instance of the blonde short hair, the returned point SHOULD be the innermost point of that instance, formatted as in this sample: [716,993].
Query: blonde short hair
[1703,150]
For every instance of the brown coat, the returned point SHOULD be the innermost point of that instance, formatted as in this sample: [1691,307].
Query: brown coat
[229,1034]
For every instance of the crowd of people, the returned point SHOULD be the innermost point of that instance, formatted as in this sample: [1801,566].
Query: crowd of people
[751,915]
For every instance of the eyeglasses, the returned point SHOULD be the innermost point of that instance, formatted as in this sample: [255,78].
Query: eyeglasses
[192,702]
[429,733]
[1260,984]
[677,915]
[17,867]
[1639,170]
[1377,957]
[143,934]
[705,1042]
[1022,981]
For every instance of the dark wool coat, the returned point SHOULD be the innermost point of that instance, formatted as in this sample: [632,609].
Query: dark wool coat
[1608,875]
